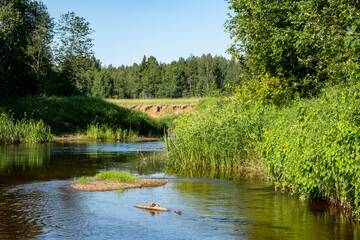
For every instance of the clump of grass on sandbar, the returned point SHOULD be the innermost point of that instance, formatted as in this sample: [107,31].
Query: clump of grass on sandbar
[116,176]
[83,180]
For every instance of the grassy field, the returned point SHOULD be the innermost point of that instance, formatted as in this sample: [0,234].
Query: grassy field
[157,101]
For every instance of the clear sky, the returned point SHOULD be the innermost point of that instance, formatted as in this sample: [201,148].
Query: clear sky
[126,30]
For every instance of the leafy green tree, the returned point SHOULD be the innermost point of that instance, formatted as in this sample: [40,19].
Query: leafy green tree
[103,84]
[74,47]
[25,36]
[306,42]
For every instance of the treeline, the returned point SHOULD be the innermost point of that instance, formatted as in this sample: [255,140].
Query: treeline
[194,76]
[41,56]
[38,55]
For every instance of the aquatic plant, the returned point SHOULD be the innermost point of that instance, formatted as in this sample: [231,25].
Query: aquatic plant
[20,131]
[217,136]
[116,176]
[106,132]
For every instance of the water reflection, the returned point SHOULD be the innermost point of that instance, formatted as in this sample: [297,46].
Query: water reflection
[36,203]
[24,156]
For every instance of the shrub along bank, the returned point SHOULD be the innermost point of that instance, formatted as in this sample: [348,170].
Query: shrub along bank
[310,147]
[72,114]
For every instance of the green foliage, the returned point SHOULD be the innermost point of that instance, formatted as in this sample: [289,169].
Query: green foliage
[313,147]
[217,136]
[83,180]
[71,114]
[16,131]
[310,42]
[117,177]
[267,90]
[310,146]
[195,76]
[26,31]
[106,132]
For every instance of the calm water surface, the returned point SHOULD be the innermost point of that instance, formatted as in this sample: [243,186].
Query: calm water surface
[35,202]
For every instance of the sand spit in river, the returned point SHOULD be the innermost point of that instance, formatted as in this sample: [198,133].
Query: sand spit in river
[104,185]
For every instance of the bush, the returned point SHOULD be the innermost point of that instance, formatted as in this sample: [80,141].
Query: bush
[313,149]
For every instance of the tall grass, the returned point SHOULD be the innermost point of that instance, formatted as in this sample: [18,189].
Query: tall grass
[310,147]
[218,136]
[20,131]
[106,132]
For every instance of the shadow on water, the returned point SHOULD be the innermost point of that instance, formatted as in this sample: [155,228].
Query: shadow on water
[36,203]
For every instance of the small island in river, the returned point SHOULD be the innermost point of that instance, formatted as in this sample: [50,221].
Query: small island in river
[111,180]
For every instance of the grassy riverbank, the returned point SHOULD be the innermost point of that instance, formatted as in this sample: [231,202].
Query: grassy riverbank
[74,114]
[21,131]
[309,147]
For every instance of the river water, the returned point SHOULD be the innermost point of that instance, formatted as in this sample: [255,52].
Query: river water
[35,202]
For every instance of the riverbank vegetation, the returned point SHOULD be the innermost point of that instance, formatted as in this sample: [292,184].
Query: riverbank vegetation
[296,113]
[76,113]
[23,131]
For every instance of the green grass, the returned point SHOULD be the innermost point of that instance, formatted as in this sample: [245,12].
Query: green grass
[83,180]
[72,114]
[158,101]
[116,176]
[21,131]
[106,132]
[217,136]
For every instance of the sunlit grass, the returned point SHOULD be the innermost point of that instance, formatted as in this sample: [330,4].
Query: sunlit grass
[117,176]
[106,132]
[20,131]
[83,180]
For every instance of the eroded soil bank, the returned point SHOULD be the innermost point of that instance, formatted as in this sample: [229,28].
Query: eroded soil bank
[158,110]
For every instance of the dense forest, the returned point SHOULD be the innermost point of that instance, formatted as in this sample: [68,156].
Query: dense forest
[41,56]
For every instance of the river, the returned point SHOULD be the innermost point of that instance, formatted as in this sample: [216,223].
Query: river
[35,202]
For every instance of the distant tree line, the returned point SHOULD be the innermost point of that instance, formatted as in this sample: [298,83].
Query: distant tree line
[194,76]
[41,56]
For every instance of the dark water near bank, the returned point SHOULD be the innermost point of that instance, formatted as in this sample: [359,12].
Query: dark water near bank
[35,202]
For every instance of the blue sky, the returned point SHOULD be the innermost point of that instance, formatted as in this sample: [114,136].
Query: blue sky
[126,30]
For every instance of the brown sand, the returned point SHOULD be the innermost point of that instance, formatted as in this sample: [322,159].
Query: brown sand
[102,185]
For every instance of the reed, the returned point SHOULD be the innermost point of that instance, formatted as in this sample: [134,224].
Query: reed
[21,131]
[98,131]
[217,136]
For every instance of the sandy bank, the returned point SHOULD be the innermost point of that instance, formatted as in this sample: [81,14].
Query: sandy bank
[102,185]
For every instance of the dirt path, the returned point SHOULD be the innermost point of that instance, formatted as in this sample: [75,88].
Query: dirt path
[157,110]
